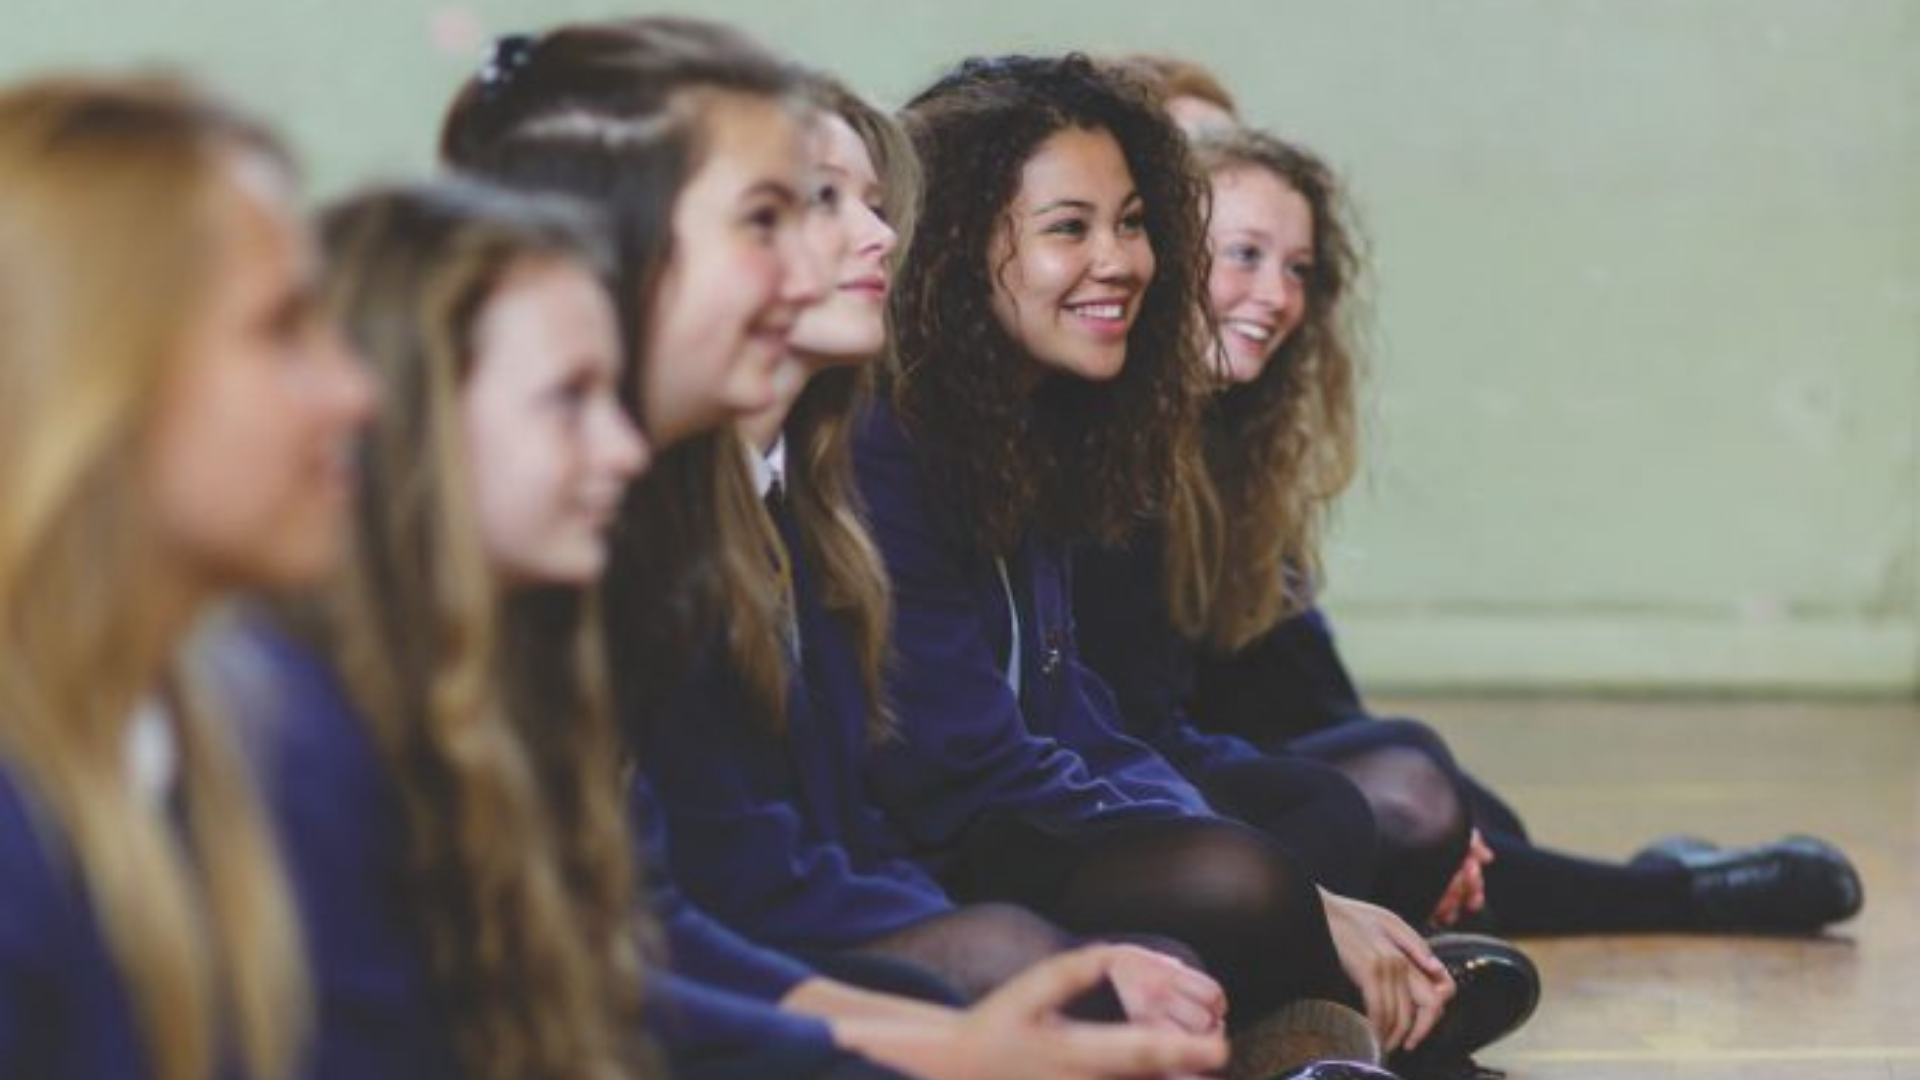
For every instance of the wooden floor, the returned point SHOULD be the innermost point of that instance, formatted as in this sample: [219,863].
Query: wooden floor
[1604,777]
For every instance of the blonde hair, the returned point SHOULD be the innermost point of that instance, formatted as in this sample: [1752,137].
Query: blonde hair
[1177,77]
[489,709]
[1281,449]
[107,244]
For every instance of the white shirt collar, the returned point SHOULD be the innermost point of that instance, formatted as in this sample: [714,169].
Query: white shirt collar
[770,468]
[152,752]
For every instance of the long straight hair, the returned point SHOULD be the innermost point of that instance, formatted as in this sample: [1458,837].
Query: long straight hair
[489,707]
[834,539]
[107,247]
[617,113]
[1281,449]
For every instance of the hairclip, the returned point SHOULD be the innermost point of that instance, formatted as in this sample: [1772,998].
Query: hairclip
[508,54]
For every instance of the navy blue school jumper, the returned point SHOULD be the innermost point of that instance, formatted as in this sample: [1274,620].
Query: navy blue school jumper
[699,946]
[713,1009]
[1291,789]
[64,1013]
[1010,774]
[342,824]
[344,837]
[1286,684]
[773,831]
[970,743]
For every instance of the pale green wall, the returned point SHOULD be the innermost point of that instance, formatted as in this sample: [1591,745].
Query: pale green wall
[1648,292]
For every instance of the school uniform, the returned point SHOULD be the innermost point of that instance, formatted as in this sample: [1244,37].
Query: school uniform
[712,1005]
[1128,637]
[343,833]
[64,1011]
[1013,780]
[1286,684]
[996,712]
[379,1012]
[773,831]
[699,946]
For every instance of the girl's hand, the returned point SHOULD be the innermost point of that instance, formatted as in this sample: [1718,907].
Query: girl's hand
[1159,991]
[1017,1032]
[1404,985]
[1467,892]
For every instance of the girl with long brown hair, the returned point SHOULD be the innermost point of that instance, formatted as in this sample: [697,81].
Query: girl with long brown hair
[447,772]
[173,419]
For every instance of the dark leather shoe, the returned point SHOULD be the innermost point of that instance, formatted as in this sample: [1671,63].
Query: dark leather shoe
[1496,990]
[1670,849]
[1794,885]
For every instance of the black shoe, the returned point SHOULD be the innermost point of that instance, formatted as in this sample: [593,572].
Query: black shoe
[1795,885]
[1671,849]
[1496,990]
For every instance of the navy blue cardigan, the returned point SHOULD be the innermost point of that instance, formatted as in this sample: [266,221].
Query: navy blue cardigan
[1288,683]
[773,831]
[341,822]
[64,1014]
[1128,637]
[344,837]
[970,743]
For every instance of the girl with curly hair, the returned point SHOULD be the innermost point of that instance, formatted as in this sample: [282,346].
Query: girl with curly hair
[1278,445]
[174,415]
[1045,388]
[1280,448]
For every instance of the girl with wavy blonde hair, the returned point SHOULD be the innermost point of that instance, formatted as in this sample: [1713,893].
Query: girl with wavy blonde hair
[172,416]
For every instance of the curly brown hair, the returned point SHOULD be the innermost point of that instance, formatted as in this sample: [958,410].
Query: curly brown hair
[1280,449]
[1076,460]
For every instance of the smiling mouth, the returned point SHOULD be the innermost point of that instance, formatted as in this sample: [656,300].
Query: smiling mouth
[1245,330]
[1104,312]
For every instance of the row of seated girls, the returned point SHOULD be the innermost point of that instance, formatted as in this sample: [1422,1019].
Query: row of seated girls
[610,612]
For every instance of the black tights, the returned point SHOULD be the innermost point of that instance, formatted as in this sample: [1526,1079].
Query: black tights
[1225,890]
[1418,791]
[1420,806]
[973,948]
[961,956]
[1535,890]
[1313,810]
